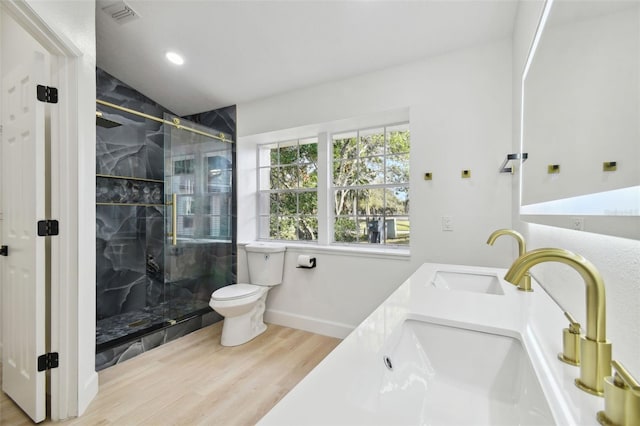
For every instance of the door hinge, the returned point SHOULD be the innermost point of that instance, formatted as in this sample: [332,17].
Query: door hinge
[48,361]
[4,251]
[47,94]
[47,228]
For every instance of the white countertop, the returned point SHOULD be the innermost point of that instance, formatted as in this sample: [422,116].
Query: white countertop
[343,388]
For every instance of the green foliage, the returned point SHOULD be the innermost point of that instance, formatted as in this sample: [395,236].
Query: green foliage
[345,230]
[398,142]
[293,212]
[358,160]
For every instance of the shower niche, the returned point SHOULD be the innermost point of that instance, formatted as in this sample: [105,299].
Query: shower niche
[165,220]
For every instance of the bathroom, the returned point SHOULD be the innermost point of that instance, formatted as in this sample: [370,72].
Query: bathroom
[469,101]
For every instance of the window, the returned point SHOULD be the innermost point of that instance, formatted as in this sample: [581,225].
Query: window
[288,179]
[364,183]
[218,194]
[183,182]
[370,186]
[202,184]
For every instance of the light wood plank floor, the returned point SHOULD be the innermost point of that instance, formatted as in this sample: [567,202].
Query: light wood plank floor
[196,381]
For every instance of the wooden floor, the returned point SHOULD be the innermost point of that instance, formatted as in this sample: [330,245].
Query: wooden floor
[196,381]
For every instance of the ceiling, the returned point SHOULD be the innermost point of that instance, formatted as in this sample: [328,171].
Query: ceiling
[239,51]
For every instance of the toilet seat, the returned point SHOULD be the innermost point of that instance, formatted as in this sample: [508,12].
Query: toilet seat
[235,291]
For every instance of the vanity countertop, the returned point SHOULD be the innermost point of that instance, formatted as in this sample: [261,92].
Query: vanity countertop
[345,387]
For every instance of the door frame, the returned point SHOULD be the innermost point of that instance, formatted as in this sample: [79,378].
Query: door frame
[70,392]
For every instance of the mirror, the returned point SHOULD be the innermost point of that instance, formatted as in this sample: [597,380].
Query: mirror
[581,119]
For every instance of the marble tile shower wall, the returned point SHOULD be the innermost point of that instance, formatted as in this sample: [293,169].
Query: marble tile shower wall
[135,149]
[133,296]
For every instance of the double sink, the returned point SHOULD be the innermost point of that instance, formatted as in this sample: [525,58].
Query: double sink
[453,345]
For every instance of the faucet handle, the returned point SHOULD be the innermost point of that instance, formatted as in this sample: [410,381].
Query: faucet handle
[570,342]
[574,325]
[621,398]
[623,377]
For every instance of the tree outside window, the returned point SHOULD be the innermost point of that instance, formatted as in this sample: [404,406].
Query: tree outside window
[371,186]
[368,174]
[288,190]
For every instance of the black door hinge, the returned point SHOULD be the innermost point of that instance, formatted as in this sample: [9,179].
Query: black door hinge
[47,94]
[48,227]
[4,251]
[48,361]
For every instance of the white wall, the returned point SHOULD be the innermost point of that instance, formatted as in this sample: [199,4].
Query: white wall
[460,116]
[617,259]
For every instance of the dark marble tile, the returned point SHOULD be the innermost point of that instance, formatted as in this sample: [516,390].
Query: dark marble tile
[125,351]
[143,287]
[117,354]
[134,149]
[111,89]
[211,318]
[222,120]
[155,153]
[130,191]
[120,151]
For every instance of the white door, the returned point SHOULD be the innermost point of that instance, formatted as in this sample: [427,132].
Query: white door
[23,269]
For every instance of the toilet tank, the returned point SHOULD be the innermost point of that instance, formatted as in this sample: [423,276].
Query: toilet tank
[266,263]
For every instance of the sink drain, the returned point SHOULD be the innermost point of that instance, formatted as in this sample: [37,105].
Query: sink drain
[387,362]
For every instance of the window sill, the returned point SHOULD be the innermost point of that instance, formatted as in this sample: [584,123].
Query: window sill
[341,250]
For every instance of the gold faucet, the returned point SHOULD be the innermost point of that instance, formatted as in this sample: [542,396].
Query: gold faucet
[595,351]
[571,342]
[621,399]
[525,282]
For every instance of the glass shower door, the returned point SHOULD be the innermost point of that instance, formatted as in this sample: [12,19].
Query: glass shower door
[198,217]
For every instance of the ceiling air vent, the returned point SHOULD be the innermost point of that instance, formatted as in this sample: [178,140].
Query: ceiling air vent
[121,12]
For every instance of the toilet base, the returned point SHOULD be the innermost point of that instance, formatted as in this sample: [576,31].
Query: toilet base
[235,332]
[238,330]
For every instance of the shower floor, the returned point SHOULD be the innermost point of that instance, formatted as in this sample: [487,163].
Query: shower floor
[120,328]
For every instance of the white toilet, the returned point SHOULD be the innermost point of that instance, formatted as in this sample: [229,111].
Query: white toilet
[242,305]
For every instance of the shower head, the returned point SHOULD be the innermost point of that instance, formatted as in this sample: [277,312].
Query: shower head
[106,123]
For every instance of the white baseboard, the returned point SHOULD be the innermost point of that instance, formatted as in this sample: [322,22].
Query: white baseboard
[313,325]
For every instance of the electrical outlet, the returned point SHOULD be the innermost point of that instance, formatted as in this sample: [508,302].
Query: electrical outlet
[577,223]
[447,223]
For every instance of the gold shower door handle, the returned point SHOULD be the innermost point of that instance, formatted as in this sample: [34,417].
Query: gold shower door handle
[174,219]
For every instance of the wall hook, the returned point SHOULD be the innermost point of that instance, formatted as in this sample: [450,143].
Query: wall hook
[511,157]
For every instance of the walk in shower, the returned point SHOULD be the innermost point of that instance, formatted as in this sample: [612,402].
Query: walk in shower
[165,214]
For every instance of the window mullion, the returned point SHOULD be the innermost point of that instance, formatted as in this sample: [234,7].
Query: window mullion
[325,199]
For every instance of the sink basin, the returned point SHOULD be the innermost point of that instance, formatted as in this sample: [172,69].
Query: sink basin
[476,282]
[435,374]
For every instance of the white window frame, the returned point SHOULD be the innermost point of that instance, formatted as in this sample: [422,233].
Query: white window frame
[325,189]
[262,171]
[382,186]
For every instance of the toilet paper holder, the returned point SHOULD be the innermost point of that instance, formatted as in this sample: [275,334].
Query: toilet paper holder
[312,264]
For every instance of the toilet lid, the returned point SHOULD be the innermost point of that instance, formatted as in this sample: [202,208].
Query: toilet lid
[235,291]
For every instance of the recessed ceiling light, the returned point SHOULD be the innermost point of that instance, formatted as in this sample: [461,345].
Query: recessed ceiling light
[174,58]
